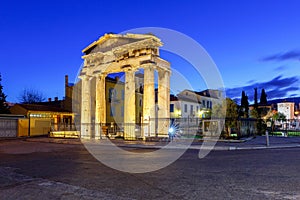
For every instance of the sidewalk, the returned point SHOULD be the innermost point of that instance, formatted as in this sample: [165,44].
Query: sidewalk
[258,142]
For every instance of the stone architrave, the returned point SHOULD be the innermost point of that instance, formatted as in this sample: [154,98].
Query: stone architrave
[128,53]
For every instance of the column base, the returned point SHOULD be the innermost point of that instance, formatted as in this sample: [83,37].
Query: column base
[163,135]
[85,137]
[129,138]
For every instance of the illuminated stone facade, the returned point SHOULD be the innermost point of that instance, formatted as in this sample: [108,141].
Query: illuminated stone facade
[114,53]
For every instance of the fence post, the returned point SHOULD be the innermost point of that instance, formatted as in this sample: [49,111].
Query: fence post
[28,124]
[188,132]
[286,127]
[267,138]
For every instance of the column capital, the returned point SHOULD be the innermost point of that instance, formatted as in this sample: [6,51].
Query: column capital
[131,70]
[85,77]
[164,71]
[101,75]
[148,65]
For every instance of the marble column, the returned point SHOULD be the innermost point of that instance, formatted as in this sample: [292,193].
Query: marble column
[100,115]
[129,106]
[149,102]
[86,107]
[163,103]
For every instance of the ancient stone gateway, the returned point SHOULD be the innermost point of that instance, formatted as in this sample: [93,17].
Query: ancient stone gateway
[128,53]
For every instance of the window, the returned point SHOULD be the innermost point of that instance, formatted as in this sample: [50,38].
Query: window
[185,108]
[192,109]
[171,107]
[203,102]
[207,104]
[197,108]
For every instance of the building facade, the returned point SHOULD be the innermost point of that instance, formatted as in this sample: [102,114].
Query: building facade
[192,104]
[287,108]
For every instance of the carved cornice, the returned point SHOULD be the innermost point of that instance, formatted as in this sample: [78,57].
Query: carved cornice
[128,35]
[131,56]
[139,45]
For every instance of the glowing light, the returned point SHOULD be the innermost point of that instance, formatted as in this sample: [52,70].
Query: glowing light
[178,113]
[171,130]
[174,129]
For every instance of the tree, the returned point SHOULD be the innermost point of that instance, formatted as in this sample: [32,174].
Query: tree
[31,96]
[3,104]
[244,109]
[263,97]
[229,107]
[279,116]
[255,98]
[254,114]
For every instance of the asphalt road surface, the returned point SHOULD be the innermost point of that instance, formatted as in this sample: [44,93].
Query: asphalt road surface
[35,170]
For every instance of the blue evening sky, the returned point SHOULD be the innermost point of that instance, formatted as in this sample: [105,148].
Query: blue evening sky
[254,43]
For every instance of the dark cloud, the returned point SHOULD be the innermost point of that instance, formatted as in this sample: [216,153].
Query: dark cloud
[289,55]
[251,81]
[280,68]
[281,92]
[278,87]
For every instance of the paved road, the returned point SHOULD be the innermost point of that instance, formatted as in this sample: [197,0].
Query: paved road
[35,170]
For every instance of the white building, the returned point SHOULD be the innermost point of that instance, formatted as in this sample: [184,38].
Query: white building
[191,104]
[287,108]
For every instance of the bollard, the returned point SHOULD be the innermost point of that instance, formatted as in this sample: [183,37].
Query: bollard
[267,138]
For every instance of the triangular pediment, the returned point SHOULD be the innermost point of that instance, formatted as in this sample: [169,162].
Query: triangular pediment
[110,41]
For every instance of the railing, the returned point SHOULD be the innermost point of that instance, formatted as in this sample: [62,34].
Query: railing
[64,130]
[189,127]
[63,127]
[290,127]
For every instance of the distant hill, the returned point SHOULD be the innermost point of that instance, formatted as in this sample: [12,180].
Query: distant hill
[296,100]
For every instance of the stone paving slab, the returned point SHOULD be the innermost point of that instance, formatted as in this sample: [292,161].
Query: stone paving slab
[18,186]
[70,172]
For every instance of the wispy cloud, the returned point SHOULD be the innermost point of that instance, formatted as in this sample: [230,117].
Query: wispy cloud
[278,87]
[289,55]
[280,68]
[251,81]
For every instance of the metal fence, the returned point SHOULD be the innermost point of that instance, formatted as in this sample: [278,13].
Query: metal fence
[156,127]
[290,127]
[8,127]
[63,127]
[187,128]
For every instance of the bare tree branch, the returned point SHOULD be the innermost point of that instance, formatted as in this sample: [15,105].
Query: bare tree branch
[30,96]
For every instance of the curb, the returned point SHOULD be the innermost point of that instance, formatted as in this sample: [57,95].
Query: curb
[218,148]
[193,147]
